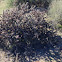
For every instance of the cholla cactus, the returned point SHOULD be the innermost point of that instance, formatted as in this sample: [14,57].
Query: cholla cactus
[21,25]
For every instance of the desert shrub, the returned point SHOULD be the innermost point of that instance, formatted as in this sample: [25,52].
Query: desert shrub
[5,4]
[21,26]
[38,3]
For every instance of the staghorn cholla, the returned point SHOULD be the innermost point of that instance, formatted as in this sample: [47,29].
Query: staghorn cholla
[21,25]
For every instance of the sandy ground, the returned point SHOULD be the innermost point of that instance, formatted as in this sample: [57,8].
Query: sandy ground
[4,57]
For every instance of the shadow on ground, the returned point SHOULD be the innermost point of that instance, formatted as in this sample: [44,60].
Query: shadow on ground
[48,52]
[50,49]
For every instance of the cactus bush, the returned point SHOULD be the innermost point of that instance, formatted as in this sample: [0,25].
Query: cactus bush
[21,26]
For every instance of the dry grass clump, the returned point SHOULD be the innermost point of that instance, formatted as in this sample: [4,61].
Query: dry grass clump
[55,13]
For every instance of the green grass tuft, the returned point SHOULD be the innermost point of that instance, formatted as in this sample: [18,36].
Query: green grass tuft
[5,4]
